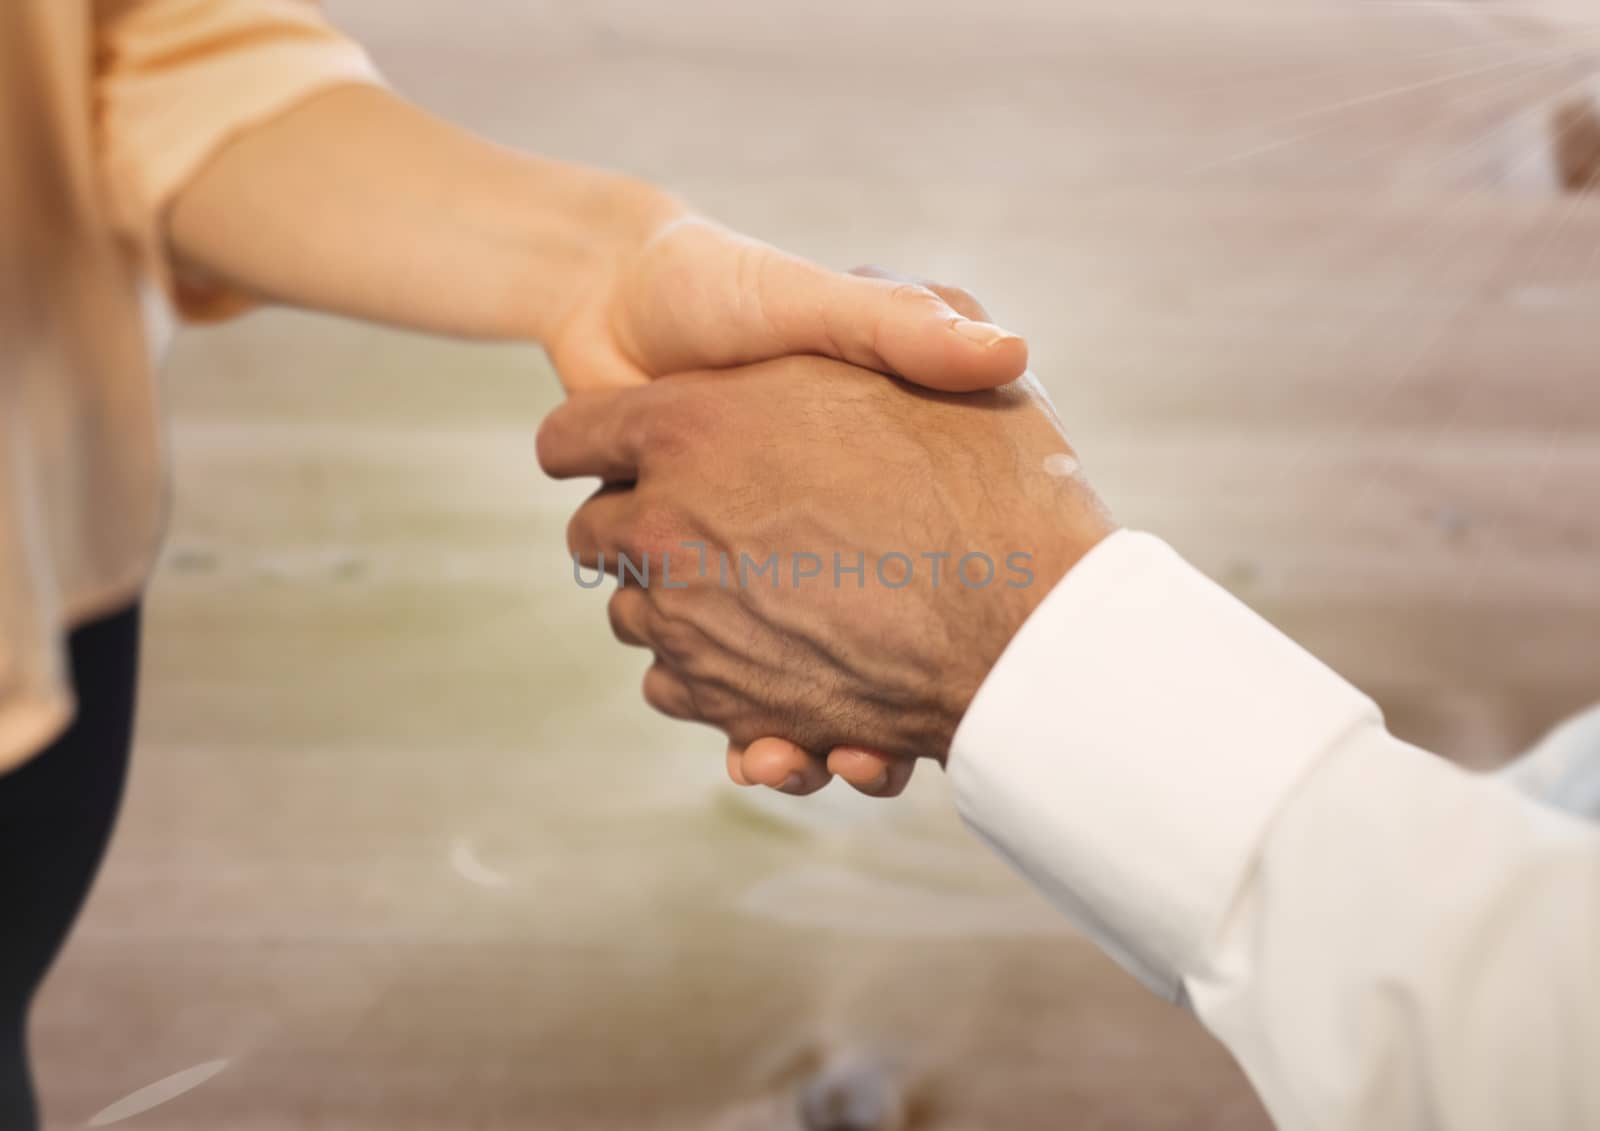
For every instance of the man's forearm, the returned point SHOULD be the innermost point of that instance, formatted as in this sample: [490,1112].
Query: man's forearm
[359,203]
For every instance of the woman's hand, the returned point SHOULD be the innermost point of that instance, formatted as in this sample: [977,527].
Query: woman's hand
[426,226]
[693,295]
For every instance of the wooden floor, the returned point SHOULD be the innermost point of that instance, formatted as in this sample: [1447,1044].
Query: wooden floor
[402,848]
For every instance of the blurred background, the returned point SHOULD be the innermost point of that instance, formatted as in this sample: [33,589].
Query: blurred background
[1313,283]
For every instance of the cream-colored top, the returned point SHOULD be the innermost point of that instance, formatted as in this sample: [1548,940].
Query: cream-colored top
[107,107]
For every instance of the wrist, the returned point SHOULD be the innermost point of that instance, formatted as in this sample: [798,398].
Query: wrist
[1048,563]
[575,251]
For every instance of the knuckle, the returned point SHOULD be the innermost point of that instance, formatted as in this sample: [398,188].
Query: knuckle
[577,532]
[693,654]
[664,428]
[713,703]
[654,697]
[699,663]
[663,693]
[961,299]
[633,435]
[622,610]
[654,531]
[678,640]
[914,293]
[547,443]
[667,606]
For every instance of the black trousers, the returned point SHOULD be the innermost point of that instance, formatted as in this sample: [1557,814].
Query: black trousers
[56,813]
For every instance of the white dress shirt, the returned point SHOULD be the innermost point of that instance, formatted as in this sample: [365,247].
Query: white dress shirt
[1382,939]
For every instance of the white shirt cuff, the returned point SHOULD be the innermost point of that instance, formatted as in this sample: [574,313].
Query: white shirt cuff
[1129,750]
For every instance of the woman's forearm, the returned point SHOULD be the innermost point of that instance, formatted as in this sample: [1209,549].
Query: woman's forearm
[359,203]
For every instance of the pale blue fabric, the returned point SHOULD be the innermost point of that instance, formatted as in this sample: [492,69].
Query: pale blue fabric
[1563,769]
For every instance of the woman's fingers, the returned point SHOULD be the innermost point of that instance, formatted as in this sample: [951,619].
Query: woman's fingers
[781,765]
[695,295]
[698,296]
[964,304]
[870,771]
[897,326]
[736,764]
[773,762]
[776,763]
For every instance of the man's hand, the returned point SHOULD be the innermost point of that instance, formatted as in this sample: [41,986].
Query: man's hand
[834,557]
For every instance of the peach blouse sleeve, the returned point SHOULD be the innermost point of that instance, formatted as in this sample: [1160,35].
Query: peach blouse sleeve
[175,79]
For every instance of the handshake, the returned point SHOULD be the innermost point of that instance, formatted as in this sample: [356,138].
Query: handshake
[825,561]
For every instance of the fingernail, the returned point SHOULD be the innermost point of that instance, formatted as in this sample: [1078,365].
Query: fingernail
[794,783]
[984,333]
[876,784]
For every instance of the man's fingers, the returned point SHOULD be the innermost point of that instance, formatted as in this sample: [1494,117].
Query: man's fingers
[629,610]
[668,694]
[781,765]
[597,432]
[596,532]
[886,324]
[870,771]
